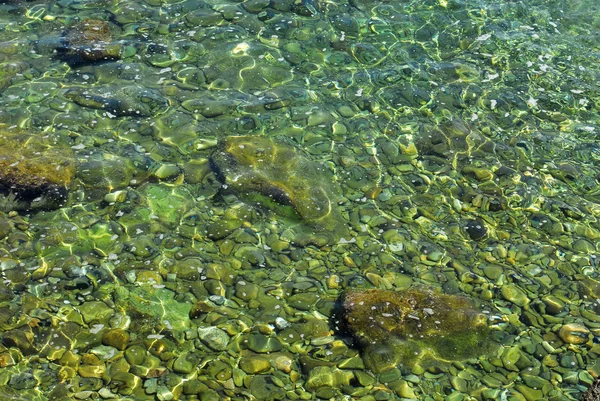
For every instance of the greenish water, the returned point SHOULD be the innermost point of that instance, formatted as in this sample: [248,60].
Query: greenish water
[199,199]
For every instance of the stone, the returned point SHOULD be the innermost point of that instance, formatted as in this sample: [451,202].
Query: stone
[117,338]
[325,376]
[493,272]
[215,338]
[514,294]
[263,344]
[129,100]
[126,382]
[221,228]
[574,333]
[278,176]
[510,358]
[529,393]
[184,364]
[476,230]
[402,326]
[88,41]
[36,171]
[254,364]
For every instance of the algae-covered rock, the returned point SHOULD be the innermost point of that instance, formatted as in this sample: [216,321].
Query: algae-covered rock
[88,41]
[277,175]
[35,171]
[401,327]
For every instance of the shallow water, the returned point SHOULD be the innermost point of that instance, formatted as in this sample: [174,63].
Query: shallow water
[420,147]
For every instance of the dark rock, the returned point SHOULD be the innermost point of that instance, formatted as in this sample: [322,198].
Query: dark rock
[476,230]
[87,42]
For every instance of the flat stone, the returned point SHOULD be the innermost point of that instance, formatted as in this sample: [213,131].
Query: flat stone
[529,393]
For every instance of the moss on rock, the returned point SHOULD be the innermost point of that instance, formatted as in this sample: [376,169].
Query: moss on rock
[35,171]
[403,327]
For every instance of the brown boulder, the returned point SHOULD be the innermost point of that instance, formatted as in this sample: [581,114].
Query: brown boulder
[88,41]
[414,326]
[35,171]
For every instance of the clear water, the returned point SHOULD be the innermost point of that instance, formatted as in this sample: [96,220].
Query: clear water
[196,195]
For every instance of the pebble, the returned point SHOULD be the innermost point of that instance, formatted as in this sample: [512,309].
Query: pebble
[213,337]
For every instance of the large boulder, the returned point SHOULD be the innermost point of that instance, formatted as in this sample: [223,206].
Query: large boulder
[88,41]
[416,325]
[276,175]
[36,171]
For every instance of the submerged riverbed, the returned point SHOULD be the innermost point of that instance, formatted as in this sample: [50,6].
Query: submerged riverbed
[299,199]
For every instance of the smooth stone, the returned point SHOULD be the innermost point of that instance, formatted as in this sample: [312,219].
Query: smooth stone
[254,364]
[514,294]
[493,272]
[574,333]
[536,382]
[183,364]
[553,304]
[390,375]
[405,390]
[135,355]
[459,384]
[263,344]
[303,301]
[584,246]
[221,228]
[325,376]
[127,382]
[96,371]
[213,337]
[476,229]
[510,358]
[529,393]
[264,387]
[246,291]
[117,338]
